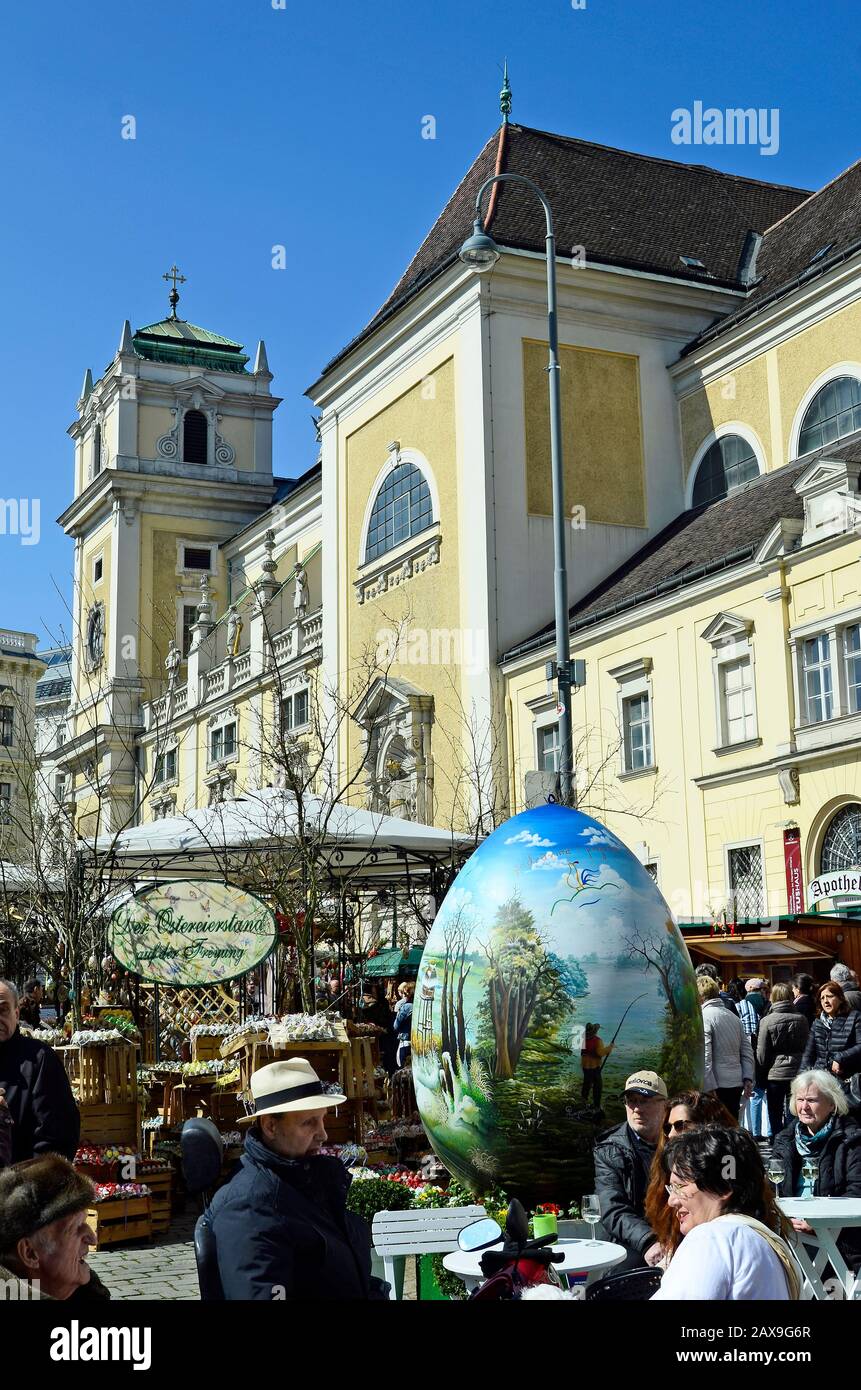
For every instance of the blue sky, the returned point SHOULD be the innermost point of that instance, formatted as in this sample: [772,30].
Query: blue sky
[302,126]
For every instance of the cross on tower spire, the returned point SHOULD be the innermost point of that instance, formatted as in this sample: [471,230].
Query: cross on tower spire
[173,274]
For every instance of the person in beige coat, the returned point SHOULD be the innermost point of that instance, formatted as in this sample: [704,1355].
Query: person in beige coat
[729,1066]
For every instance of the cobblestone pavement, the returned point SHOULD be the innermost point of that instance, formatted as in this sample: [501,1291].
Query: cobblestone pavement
[163,1269]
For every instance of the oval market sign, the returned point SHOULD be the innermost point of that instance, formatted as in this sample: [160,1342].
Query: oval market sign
[192,933]
[839,884]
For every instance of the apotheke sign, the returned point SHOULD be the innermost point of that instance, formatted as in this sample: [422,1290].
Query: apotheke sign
[843,883]
[192,933]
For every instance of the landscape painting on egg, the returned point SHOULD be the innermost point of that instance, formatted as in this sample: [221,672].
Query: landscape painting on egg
[553,970]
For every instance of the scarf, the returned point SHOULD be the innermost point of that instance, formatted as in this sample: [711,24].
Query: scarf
[808,1144]
[778,1245]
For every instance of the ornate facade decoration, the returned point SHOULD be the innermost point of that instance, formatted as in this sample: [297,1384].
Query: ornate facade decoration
[398,571]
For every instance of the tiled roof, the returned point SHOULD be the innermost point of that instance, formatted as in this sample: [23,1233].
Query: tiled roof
[183,331]
[702,541]
[828,222]
[626,209]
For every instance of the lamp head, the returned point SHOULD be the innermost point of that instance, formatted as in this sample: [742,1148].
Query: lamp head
[480,252]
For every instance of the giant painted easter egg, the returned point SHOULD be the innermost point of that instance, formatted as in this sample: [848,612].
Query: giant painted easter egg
[552,972]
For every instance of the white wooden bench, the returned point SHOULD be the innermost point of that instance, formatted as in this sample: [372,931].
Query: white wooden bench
[400,1234]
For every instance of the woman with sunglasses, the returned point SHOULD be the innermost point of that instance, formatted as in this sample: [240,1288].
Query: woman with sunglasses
[685,1111]
[734,1242]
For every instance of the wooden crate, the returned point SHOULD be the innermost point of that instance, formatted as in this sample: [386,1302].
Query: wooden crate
[206,1048]
[108,1073]
[161,1200]
[124,1218]
[111,1124]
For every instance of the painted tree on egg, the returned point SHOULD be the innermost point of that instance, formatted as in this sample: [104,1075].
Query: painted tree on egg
[522,983]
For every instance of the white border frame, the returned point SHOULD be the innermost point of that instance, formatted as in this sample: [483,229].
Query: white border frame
[403,456]
[720,432]
[830,374]
[194,543]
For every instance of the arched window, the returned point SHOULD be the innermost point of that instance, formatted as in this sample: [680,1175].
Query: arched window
[833,412]
[729,462]
[841,848]
[402,508]
[97,450]
[194,437]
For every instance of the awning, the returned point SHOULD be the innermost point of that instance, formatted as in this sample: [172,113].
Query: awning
[776,946]
[386,963]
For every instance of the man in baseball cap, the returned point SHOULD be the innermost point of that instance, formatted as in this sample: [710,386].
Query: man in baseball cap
[281,1226]
[623,1159]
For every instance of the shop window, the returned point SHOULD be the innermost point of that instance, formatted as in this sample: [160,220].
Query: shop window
[841,848]
[746,881]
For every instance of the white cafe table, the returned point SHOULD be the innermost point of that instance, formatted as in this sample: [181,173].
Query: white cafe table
[580,1256]
[827,1216]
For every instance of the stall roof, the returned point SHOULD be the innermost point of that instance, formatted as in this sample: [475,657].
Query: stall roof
[349,838]
[386,963]
[757,946]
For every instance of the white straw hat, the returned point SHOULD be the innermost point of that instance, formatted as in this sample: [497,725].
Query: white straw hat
[282,1088]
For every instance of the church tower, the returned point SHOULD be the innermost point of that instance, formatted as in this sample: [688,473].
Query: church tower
[173,455]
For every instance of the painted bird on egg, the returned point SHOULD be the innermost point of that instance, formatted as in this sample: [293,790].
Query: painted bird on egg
[553,970]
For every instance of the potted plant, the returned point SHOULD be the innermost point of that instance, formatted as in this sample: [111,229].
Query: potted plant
[365,1198]
[545,1220]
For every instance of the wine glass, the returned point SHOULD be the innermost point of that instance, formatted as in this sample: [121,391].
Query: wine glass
[810,1173]
[591,1211]
[776,1172]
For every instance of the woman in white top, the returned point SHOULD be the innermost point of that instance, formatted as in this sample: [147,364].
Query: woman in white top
[734,1242]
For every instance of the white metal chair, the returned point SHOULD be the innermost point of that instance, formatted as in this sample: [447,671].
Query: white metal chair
[400,1234]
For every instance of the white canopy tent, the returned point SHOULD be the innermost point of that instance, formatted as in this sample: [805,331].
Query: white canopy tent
[225,837]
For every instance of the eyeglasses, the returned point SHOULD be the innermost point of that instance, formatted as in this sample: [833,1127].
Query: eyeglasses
[675,1189]
[679,1125]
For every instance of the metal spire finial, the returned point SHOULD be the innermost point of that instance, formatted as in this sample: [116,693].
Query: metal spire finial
[505,96]
[174,275]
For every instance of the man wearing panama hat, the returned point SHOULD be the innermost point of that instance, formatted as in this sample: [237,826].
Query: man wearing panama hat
[281,1225]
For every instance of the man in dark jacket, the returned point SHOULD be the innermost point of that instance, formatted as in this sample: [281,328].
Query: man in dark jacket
[623,1159]
[281,1225]
[45,1118]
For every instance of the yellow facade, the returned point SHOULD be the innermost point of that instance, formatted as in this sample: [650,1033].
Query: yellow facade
[602,447]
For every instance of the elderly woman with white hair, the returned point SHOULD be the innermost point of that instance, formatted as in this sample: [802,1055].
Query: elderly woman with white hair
[822,1130]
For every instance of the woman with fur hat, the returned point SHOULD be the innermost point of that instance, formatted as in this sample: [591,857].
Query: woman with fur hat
[44,1235]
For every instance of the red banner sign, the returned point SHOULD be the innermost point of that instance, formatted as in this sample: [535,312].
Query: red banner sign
[794,876]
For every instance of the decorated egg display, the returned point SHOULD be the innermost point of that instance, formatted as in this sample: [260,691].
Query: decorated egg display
[553,970]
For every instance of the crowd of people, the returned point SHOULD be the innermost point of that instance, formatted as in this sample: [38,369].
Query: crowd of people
[681,1182]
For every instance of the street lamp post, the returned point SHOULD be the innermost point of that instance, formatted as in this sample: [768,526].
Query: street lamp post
[480,252]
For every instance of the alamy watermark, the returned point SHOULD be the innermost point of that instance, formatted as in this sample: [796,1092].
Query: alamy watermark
[21,516]
[436,646]
[735,126]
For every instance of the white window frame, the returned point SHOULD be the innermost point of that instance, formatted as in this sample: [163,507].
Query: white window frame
[291,695]
[633,679]
[754,842]
[834,628]
[99,556]
[731,643]
[172,750]
[6,804]
[10,706]
[396,457]
[195,543]
[543,721]
[830,374]
[218,725]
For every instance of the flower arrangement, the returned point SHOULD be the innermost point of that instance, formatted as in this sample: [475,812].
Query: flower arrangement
[113,1191]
